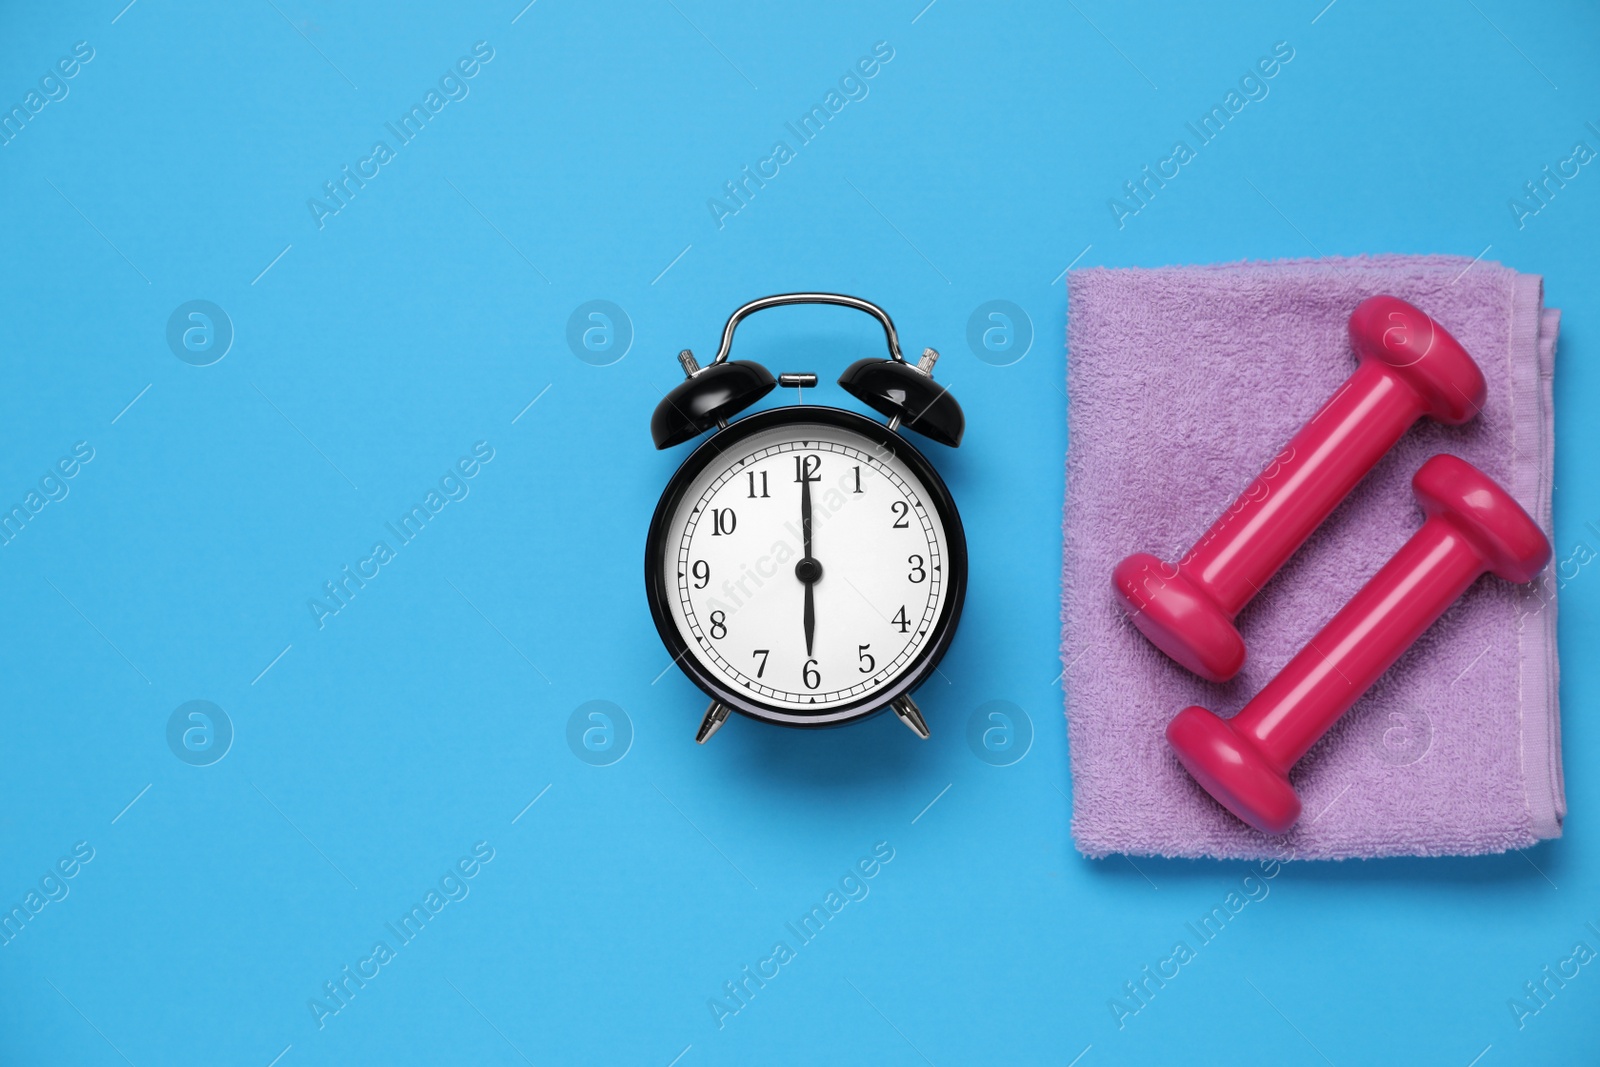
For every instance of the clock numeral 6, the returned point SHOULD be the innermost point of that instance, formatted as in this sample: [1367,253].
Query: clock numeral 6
[723,520]
[868,664]
[719,625]
[917,574]
[809,674]
[702,573]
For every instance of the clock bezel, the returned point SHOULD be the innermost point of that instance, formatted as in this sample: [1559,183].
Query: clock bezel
[939,498]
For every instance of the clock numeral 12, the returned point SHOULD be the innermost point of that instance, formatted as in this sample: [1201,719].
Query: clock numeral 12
[807,468]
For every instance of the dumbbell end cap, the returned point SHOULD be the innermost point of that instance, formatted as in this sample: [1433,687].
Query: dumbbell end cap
[1178,618]
[1513,545]
[1233,771]
[1409,342]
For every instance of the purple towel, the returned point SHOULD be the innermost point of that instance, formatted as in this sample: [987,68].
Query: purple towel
[1183,383]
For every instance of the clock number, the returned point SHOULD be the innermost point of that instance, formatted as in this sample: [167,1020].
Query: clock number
[719,625]
[807,468]
[763,653]
[901,621]
[917,573]
[809,674]
[868,664]
[702,573]
[723,521]
[901,509]
[857,489]
[752,476]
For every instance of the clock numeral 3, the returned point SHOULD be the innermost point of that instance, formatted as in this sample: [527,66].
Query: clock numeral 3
[761,668]
[702,573]
[809,674]
[901,509]
[868,664]
[719,625]
[917,574]
[752,476]
[723,520]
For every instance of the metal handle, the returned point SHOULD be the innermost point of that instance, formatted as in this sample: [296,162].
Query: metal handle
[781,299]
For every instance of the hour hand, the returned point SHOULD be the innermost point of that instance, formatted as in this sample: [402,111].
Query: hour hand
[810,618]
[808,571]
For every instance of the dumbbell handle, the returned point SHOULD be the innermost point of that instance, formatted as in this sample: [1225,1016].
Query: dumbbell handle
[1302,485]
[1410,367]
[1350,653]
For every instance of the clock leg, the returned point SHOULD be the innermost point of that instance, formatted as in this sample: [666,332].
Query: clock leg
[910,715]
[716,715]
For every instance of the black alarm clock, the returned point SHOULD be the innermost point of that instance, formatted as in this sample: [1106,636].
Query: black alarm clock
[806,565]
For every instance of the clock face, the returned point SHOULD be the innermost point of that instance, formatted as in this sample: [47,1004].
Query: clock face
[811,565]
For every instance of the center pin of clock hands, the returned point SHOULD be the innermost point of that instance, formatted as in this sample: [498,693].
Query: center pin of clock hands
[807,569]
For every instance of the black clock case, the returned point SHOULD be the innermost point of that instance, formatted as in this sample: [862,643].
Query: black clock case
[658,591]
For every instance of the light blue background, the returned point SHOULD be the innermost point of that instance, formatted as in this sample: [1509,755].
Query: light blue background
[427,714]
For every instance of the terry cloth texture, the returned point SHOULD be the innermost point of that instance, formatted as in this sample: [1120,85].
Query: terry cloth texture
[1183,383]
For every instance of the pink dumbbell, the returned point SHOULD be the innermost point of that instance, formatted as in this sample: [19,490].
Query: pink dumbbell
[1410,367]
[1473,526]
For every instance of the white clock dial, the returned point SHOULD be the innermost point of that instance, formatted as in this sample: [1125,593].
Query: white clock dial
[878,583]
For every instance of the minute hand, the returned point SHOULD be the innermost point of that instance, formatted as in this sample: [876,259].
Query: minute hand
[809,617]
[805,514]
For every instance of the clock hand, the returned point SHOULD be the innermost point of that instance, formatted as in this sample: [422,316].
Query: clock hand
[808,570]
[810,619]
[807,565]
[805,513]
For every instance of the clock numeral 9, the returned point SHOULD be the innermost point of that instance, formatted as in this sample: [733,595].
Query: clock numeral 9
[917,574]
[901,509]
[868,664]
[702,573]
[719,625]
[723,520]
[761,668]
[809,674]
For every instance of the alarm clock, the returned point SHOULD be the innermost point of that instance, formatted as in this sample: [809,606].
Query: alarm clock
[806,565]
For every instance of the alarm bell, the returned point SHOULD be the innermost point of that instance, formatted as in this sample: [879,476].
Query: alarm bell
[709,397]
[906,393]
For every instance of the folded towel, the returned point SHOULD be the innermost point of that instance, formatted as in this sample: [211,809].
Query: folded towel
[1182,384]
